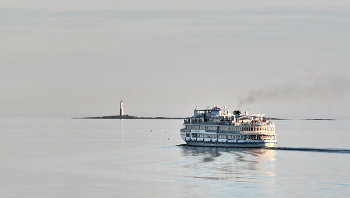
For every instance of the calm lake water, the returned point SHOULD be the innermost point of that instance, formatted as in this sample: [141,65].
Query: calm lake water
[63,157]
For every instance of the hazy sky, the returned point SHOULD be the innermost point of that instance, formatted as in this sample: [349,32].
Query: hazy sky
[79,58]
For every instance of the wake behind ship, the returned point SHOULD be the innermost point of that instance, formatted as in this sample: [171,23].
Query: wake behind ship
[216,128]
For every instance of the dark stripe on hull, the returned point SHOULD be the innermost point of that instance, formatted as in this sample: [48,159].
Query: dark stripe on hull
[232,144]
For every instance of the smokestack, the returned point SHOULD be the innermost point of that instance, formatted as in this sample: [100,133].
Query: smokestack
[121,112]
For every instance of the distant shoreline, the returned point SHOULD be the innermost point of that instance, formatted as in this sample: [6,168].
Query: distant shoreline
[127,117]
[321,119]
[137,117]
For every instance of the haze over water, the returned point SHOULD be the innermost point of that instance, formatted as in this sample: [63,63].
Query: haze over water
[286,59]
[62,157]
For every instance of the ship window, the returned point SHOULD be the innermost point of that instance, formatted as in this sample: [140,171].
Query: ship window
[187,135]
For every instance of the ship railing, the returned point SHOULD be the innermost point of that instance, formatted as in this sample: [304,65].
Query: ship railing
[257,124]
[212,123]
[258,132]
[202,123]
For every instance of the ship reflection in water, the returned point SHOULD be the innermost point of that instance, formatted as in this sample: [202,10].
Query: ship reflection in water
[230,164]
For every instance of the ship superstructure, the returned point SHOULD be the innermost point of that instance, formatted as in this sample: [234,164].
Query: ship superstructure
[219,128]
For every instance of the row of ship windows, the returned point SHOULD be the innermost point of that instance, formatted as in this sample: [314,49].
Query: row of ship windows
[231,137]
[262,128]
[197,127]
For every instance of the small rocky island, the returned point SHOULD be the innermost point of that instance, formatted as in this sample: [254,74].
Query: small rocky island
[125,116]
[128,117]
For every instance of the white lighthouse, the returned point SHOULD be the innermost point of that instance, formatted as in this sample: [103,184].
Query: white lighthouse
[121,112]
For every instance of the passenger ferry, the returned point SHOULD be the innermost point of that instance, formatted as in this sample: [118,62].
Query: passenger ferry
[219,128]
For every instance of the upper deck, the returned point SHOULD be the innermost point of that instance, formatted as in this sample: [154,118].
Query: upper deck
[216,116]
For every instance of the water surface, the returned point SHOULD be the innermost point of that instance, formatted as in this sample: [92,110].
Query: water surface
[62,157]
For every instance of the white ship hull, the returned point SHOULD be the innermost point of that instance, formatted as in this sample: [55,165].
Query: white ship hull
[229,143]
[235,144]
